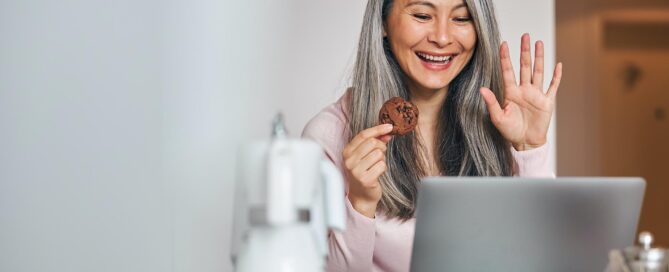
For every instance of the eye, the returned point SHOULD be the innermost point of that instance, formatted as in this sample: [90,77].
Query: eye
[462,19]
[422,16]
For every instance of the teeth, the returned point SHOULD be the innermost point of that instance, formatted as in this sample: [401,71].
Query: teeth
[435,58]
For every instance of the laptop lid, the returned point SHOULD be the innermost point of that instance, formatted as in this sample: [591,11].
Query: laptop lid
[523,224]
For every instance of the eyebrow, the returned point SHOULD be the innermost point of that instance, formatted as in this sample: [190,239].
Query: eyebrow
[429,4]
[423,3]
[461,5]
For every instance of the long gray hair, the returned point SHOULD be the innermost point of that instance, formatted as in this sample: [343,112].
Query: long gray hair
[467,142]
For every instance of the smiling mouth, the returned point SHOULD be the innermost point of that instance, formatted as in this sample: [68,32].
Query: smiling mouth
[435,59]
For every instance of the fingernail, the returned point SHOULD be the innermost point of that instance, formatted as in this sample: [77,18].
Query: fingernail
[387,127]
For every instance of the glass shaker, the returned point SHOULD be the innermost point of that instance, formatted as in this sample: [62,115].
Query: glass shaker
[645,258]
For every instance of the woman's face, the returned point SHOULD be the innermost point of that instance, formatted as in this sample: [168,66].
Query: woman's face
[432,40]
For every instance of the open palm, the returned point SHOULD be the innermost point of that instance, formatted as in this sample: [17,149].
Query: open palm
[525,115]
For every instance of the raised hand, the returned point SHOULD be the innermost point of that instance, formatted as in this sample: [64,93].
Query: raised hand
[524,116]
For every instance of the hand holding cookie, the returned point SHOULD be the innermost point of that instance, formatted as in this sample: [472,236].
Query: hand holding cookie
[364,162]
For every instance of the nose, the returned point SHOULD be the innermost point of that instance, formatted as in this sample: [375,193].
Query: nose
[440,34]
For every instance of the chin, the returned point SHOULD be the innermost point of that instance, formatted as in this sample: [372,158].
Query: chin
[434,84]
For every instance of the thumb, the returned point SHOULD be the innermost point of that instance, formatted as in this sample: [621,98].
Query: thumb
[491,102]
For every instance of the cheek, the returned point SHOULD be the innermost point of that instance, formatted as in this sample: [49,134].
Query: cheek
[409,35]
[405,33]
[467,38]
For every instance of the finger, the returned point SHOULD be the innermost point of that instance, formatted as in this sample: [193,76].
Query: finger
[368,146]
[386,138]
[507,67]
[372,158]
[372,132]
[525,60]
[538,76]
[367,162]
[555,82]
[491,102]
[370,178]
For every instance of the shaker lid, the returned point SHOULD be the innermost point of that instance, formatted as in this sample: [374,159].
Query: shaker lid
[645,252]
[649,253]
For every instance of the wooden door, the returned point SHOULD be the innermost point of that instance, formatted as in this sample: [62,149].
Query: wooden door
[633,91]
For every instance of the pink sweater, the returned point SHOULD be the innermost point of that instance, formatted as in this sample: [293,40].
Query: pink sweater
[383,243]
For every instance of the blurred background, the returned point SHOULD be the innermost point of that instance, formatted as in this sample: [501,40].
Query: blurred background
[119,120]
[613,105]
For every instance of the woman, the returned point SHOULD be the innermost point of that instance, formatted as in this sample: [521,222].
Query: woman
[444,56]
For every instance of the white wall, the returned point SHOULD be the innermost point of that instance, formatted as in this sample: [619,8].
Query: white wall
[211,54]
[119,120]
[80,132]
[318,45]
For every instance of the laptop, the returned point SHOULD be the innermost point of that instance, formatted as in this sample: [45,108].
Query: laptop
[523,224]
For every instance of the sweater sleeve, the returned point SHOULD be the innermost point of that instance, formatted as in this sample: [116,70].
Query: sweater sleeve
[532,163]
[352,249]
